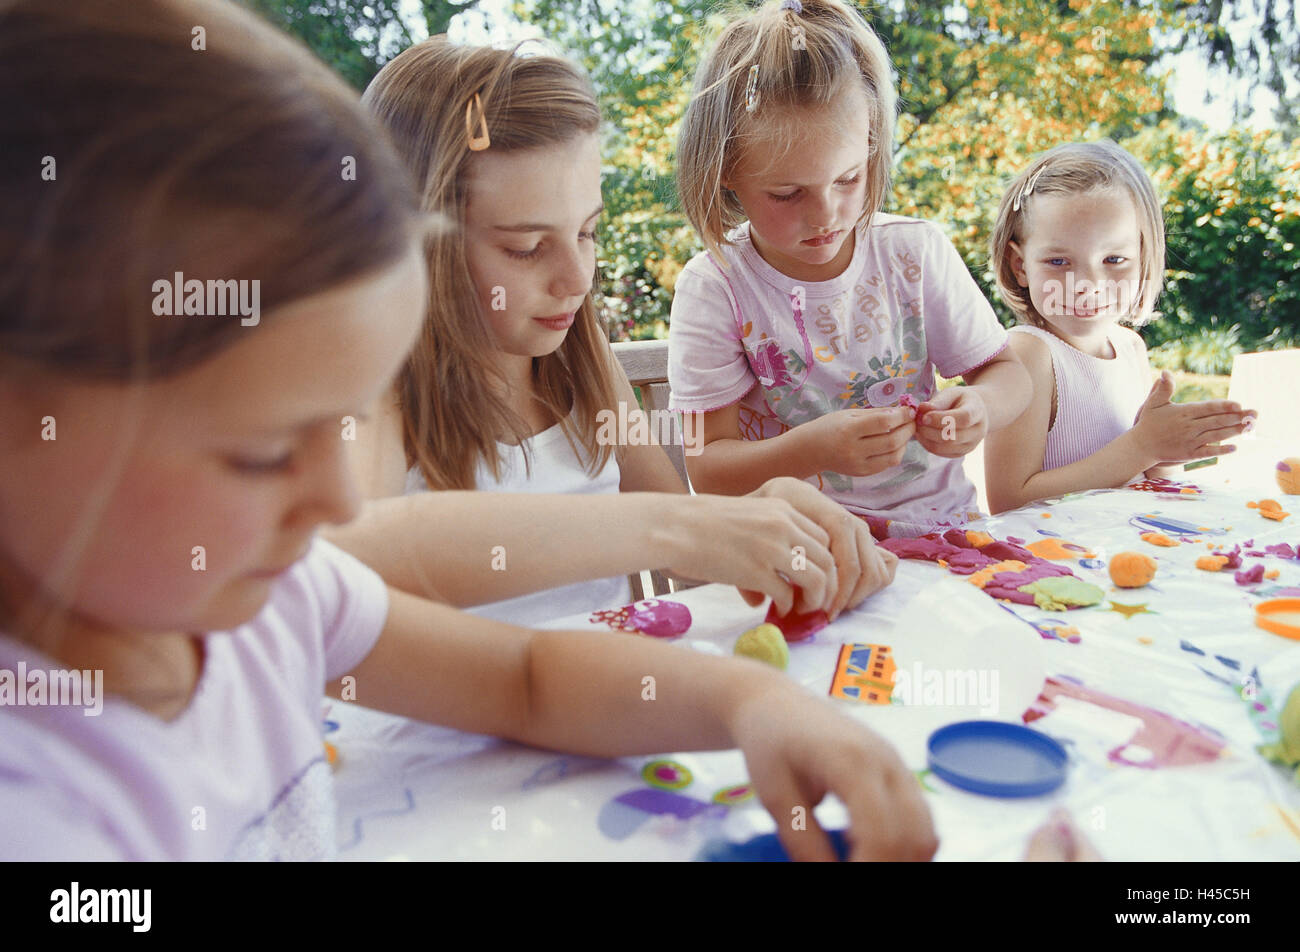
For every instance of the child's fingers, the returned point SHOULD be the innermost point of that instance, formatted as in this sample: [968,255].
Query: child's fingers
[796,825]
[1224,423]
[1211,449]
[1059,840]
[889,822]
[885,444]
[879,566]
[847,549]
[1208,408]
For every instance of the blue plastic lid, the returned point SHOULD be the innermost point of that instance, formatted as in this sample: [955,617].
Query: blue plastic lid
[762,849]
[997,759]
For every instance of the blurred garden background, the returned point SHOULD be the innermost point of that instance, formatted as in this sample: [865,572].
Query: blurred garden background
[984,85]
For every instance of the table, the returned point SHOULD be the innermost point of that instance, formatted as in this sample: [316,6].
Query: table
[1198,676]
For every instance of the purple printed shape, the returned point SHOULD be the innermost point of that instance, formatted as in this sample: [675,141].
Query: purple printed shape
[659,802]
[660,618]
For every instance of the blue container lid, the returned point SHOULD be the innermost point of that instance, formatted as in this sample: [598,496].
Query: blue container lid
[997,759]
[763,849]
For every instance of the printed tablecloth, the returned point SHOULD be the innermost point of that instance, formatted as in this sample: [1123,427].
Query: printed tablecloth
[1160,695]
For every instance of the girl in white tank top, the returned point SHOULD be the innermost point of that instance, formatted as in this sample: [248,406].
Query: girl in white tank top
[1079,246]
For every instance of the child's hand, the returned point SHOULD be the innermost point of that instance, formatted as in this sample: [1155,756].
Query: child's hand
[859,442]
[799,748]
[766,546]
[1178,432]
[953,423]
[862,568]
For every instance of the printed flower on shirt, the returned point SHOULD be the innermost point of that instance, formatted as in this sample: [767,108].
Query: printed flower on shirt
[769,365]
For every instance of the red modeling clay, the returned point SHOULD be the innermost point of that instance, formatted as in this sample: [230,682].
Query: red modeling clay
[797,627]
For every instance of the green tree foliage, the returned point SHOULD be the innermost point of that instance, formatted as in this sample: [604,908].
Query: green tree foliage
[984,86]
[356,37]
[1268,57]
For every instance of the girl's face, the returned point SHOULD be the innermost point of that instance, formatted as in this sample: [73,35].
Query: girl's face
[530,240]
[803,206]
[185,498]
[1081,261]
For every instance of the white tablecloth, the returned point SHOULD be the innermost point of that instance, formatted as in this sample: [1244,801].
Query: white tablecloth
[1202,675]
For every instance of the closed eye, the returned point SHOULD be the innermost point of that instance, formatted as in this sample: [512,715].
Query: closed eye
[259,467]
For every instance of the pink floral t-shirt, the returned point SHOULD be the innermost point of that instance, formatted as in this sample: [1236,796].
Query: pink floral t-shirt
[793,351]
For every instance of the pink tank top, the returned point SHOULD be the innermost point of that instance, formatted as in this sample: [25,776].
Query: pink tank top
[1096,400]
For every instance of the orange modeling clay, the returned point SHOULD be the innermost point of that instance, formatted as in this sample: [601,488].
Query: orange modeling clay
[1057,550]
[1211,563]
[1160,539]
[985,575]
[978,539]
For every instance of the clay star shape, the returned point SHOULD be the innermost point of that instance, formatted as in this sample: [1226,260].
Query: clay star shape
[1128,611]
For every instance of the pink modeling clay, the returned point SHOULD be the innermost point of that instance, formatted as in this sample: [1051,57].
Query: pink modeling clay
[1281,550]
[658,618]
[797,627]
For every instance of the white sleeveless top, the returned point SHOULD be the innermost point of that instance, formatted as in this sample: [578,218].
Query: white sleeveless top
[1096,400]
[555,469]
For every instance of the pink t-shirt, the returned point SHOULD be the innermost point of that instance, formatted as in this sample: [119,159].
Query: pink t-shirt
[240,774]
[793,351]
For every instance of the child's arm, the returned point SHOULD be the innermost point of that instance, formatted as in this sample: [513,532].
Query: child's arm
[607,695]
[957,419]
[444,545]
[1013,460]
[849,442]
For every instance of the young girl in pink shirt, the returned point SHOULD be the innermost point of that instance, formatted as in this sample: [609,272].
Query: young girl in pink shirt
[805,339]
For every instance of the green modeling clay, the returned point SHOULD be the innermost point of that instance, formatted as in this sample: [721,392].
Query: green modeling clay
[765,643]
[1062,591]
[1287,749]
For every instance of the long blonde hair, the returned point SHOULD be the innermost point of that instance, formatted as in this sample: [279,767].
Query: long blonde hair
[778,57]
[453,410]
[1076,169]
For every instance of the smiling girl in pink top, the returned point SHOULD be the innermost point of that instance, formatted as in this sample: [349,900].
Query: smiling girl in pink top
[1079,246]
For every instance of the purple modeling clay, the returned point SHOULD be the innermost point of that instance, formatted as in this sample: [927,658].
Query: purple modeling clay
[1233,557]
[1251,576]
[1007,584]
[1281,550]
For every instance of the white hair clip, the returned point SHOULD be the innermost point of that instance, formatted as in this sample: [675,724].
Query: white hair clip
[794,5]
[1027,189]
[751,89]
